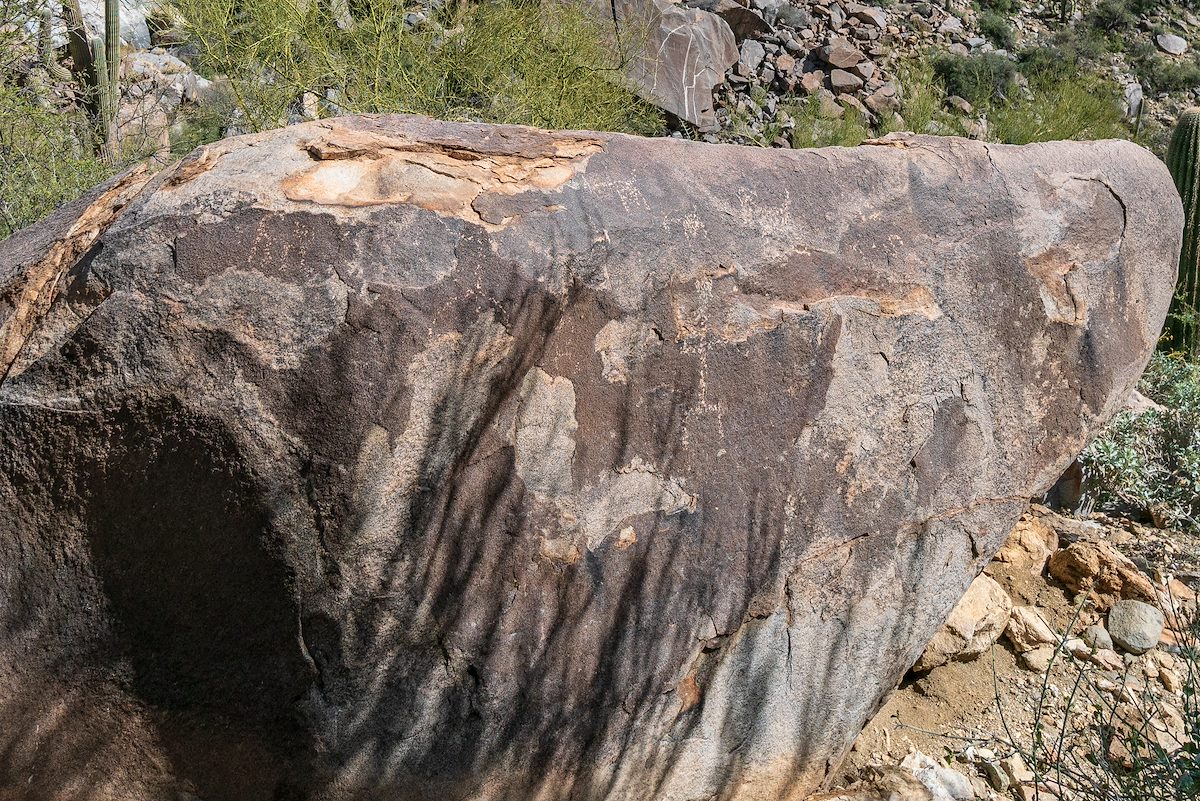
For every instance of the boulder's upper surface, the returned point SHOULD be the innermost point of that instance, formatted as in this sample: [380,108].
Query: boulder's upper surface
[387,458]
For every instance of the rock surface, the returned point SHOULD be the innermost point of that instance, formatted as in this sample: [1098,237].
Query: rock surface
[468,462]
[976,622]
[1100,570]
[678,55]
[1135,626]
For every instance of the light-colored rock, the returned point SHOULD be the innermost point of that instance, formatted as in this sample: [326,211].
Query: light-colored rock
[871,15]
[951,25]
[1037,659]
[1135,626]
[1027,629]
[843,81]
[1100,570]
[134,31]
[841,54]
[409,459]
[1097,637]
[1171,43]
[1016,768]
[1106,658]
[752,54]
[944,783]
[1029,544]
[976,622]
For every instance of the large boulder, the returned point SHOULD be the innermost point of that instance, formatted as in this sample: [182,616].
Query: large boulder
[387,458]
[675,56]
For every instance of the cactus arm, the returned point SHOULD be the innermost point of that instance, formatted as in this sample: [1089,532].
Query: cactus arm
[112,45]
[46,54]
[106,118]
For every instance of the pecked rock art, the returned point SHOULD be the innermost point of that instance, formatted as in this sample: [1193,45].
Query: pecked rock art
[387,458]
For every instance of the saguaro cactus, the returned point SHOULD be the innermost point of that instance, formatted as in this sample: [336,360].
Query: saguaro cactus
[1183,159]
[97,66]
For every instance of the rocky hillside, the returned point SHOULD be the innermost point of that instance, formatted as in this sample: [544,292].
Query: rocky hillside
[877,64]
[1076,630]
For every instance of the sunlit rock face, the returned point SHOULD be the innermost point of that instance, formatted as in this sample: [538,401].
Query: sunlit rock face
[381,458]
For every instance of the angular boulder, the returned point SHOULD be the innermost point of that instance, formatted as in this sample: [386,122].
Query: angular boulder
[387,458]
[675,55]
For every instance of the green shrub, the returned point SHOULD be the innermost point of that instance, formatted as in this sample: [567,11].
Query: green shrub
[813,131]
[977,78]
[1086,107]
[996,27]
[47,150]
[1000,6]
[506,61]
[1152,460]
[1162,73]
[1113,16]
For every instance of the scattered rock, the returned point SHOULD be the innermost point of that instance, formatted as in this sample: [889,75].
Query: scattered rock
[1030,544]
[752,54]
[1018,772]
[1097,637]
[812,82]
[1099,569]
[956,102]
[1027,629]
[841,54]
[944,783]
[1037,659]
[997,779]
[951,25]
[843,81]
[1135,626]
[868,14]
[975,623]
[1172,44]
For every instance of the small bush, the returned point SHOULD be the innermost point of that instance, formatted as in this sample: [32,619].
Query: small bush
[996,27]
[1162,73]
[507,61]
[1086,107]
[1000,6]
[813,131]
[1151,461]
[977,78]
[1113,16]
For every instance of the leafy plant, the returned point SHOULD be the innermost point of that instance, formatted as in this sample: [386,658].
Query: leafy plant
[48,151]
[1151,461]
[996,27]
[1084,108]
[1163,74]
[811,130]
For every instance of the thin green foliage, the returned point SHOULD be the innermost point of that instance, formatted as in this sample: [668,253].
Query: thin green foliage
[1151,461]
[48,152]
[1113,741]
[813,130]
[552,65]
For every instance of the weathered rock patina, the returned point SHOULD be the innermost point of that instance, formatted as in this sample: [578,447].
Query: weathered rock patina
[387,458]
